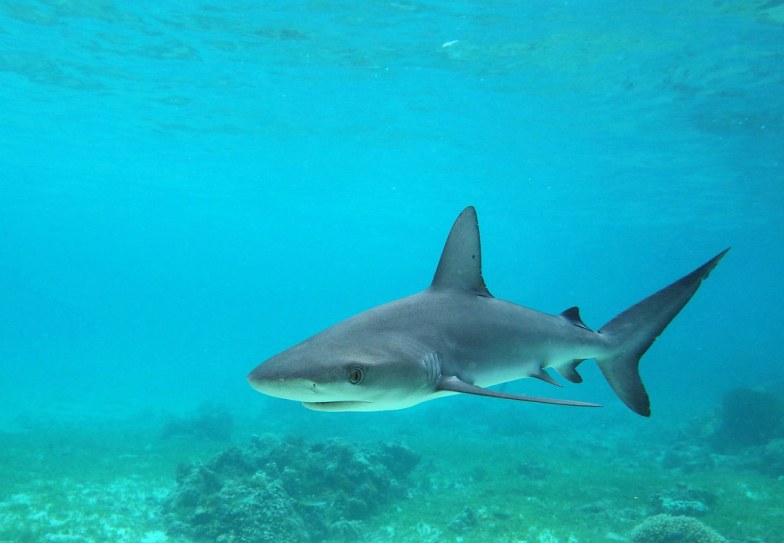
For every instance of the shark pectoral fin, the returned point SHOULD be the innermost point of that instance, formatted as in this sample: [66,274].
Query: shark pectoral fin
[455,384]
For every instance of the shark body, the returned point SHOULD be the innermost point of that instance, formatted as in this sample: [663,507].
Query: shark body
[455,337]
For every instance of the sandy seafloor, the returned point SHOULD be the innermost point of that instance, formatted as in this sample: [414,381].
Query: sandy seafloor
[522,480]
[187,188]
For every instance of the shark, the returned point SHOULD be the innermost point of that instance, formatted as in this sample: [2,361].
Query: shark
[457,338]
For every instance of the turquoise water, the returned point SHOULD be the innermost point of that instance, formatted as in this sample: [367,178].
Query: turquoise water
[189,188]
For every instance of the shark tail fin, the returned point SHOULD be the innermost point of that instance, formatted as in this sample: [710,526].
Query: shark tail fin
[632,332]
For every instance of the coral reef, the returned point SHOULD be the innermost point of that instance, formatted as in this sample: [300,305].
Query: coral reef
[211,422]
[748,417]
[674,529]
[683,499]
[745,434]
[286,490]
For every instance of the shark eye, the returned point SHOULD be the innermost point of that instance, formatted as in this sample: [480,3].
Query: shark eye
[355,376]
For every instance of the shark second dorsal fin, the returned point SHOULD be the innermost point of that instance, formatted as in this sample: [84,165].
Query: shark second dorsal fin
[573,315]
[460,266]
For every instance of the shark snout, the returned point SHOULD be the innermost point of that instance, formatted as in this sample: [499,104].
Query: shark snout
[272,383]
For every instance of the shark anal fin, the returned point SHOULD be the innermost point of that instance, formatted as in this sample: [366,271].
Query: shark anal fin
[454,384]
[569,371]
[573,315]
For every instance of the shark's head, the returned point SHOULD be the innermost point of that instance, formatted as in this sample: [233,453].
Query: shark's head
[340,376]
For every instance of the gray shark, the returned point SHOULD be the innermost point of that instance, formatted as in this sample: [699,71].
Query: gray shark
[456,338]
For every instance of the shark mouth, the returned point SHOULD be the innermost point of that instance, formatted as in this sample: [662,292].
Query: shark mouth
[339,406]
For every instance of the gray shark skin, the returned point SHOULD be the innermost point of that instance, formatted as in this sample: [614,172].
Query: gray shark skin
[456,338]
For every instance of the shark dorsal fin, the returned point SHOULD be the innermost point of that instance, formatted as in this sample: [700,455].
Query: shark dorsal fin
[460,266]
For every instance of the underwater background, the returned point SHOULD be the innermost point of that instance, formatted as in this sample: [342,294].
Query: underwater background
[187,188]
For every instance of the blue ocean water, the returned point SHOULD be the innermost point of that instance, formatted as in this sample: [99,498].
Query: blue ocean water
[187,188]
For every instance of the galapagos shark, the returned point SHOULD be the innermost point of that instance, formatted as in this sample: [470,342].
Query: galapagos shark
[456,338]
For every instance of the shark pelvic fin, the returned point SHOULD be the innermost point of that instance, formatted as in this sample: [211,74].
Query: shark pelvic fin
[455,384]
[460,266]
[543,375]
